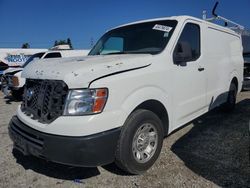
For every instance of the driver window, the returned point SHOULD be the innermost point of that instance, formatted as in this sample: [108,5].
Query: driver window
[188,45]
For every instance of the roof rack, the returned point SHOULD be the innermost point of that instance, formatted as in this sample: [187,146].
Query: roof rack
[235,26]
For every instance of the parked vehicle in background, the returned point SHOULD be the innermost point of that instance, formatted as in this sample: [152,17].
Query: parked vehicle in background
[246,57]
[10,57]
[1,74]
[139,83]
[15,57]
[12,80]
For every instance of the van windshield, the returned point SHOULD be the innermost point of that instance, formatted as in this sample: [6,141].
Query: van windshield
[149,38]
[31,58]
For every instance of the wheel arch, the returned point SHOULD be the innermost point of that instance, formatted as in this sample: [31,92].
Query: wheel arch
[235,81]
[150,98]
[157,108]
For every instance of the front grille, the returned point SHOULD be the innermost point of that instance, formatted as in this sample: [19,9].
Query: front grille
[8,79]
[4,80]
[44,99]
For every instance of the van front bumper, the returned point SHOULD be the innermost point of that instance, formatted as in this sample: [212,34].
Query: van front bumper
[87,151]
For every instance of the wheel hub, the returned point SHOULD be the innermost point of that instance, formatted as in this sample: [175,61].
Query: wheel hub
[145,143]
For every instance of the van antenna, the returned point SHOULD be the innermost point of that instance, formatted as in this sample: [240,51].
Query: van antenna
[218,17]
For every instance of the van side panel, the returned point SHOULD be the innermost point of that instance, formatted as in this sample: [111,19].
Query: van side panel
[223,56]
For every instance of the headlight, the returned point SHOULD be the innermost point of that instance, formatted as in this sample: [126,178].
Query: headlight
[15,81]
[85,101]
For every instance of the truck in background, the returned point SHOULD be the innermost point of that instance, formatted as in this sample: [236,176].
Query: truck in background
[12,80]
[15,57]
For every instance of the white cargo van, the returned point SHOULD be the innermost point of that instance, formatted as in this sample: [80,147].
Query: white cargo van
[12,80]
[140,82]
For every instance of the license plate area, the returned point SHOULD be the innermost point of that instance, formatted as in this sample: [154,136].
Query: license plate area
[20,143]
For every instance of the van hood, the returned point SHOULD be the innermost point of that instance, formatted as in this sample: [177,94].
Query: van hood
[78,72]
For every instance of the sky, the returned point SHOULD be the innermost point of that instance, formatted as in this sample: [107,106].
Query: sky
[41,22]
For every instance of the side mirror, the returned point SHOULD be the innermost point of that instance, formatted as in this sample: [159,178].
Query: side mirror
[182,53]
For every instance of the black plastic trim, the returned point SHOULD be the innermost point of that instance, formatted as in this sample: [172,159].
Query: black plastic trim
[86,151]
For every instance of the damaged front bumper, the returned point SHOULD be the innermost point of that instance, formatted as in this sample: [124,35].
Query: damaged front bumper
[87,151]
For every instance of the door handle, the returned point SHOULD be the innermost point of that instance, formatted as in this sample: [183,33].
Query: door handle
[201,69]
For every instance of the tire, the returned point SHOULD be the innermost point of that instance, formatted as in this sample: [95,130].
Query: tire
[17,94]
[140,142]
[231,99]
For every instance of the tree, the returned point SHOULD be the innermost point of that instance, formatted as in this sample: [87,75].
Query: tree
[56,43]
[26,45]
[61,42]
[69,43]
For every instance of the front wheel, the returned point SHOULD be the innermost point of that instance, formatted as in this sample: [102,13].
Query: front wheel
[140,142]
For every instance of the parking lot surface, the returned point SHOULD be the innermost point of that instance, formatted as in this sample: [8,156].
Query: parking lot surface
[212,151]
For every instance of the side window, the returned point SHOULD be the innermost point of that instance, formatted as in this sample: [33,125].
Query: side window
[53,55]
[188,45]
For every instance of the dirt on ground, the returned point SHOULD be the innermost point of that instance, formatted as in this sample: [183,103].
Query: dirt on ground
[212,151]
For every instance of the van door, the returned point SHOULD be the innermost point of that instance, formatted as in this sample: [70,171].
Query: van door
[189,82]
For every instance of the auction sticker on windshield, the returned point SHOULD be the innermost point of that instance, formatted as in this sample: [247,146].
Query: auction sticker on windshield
[162,28]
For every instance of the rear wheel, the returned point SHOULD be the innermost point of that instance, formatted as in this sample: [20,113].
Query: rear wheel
[231,99]
[140,142]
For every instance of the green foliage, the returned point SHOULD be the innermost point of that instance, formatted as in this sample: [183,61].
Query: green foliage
[25,45]
[62,42]
[69,43]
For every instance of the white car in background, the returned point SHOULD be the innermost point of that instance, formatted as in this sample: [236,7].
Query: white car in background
[13,83]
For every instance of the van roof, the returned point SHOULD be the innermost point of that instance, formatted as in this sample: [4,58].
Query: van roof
[181,19]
